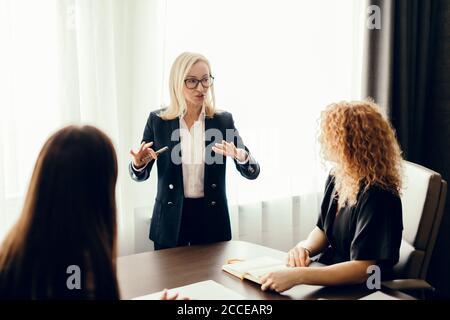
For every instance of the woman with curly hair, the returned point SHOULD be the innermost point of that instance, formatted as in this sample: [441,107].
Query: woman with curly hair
[360,223]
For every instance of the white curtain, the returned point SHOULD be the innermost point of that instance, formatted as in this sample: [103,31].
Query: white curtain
[277,64]
[106,63]
[74,62]
[93,84]
[28,104]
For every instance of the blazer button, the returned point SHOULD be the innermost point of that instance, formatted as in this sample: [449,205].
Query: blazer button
[170,203]
[213,186]
[213,203]
[251,170]
[170,186]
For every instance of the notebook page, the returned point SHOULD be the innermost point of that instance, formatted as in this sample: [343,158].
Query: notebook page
[262,271]
[205,290]
[257,263]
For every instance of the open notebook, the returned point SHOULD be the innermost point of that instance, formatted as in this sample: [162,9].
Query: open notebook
[253,269]
[205,290]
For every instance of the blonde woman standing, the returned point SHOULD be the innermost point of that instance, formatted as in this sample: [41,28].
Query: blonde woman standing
[360,223]
[191,203]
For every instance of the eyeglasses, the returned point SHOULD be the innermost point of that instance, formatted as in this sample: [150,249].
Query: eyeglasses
[192,83]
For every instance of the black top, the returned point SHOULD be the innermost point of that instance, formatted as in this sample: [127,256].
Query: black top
[369,230]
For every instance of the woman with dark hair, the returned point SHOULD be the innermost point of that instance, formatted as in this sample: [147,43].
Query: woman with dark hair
[68,223]
[68,219]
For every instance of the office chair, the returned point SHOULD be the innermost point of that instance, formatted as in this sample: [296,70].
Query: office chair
[423,200]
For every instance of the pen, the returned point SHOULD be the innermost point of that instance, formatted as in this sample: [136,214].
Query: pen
[158,152]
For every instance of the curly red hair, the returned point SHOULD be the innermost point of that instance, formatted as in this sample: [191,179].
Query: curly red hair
[361,141]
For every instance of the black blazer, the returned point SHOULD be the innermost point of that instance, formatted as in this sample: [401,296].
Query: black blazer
[168,207]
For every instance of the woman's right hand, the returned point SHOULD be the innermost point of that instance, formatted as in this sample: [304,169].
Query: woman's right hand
[144,155]
[298,257]
[165,296]
[175,296]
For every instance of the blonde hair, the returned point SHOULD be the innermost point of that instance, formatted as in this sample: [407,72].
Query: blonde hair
[362,142]
[180,68]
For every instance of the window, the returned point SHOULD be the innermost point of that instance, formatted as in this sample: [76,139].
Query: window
[28,99]
[276,64]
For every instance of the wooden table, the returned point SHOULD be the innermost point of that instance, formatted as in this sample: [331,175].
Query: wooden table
[149,272]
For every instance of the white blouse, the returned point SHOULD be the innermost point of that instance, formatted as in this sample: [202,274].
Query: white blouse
[193,156]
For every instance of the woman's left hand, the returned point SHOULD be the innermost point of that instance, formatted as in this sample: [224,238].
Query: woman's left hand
[280,280]
[228,149]
[175,296]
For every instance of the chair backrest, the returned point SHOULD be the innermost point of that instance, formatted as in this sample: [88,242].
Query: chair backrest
[423,200]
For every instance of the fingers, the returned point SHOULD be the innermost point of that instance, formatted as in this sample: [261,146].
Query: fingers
[153,153]
[266,282]
[298,261]
[229,145]
[142,147]
[291,262]
[165,296]
[304,257]
[144,154]
[225,148]
[219,151]
[266,285]
[298,257]
[219,146]
[148,145]
[271,283]
[231,149]
[307,262]
[263,278]
[224,145]
[145,145]
[134,154]
[173,297]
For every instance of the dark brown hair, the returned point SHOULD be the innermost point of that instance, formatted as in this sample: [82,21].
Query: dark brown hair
[68,218]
